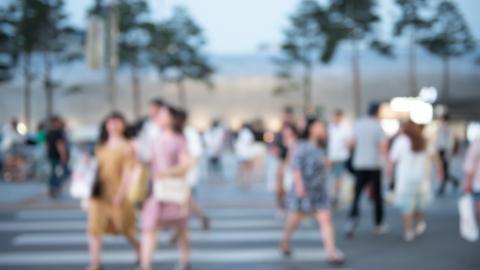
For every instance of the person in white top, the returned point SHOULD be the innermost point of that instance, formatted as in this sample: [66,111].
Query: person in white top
[149,131]
[214,139]
[195,148]
[412,177]
[339,135]
[369,143]
[472,172]
[444,142]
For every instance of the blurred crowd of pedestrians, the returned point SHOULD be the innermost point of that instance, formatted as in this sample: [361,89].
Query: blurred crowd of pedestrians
[152,166]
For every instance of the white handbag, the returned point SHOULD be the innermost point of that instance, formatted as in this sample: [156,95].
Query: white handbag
[468,223]
[171,190]
[83,178]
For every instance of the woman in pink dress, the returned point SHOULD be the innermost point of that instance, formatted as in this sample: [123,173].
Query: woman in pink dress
[169,158]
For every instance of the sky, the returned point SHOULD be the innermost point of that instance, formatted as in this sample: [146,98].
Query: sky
[235,27]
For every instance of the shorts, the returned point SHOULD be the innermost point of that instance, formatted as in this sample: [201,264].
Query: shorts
[476,196]
[338,168]
[409,203]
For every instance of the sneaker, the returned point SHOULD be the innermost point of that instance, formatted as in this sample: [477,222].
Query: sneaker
[350,229]
[183,267]
[381,229]
[409,236]
[421,228]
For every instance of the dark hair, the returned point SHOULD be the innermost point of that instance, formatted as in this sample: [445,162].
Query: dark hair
[178,121]
[182,117]
[338,112]
[288,110]
[445,117]
[103,138]
[291,127]
[414,133]
[157,102]
[306,132]
[373,109]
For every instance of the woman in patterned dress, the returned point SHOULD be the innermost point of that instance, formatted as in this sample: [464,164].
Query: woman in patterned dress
[309,192]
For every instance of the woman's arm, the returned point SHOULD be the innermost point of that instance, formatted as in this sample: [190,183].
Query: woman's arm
[298,182]
[438,165]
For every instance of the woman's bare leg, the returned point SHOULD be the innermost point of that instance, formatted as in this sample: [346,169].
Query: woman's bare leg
[184,246]
[135,244]
[293,221]
[324,219]
[147,249]
[95,249]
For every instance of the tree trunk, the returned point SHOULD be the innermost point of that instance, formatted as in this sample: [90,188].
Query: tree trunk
[446,80]
[182,95]
[112,88]
[357,90]
[307,89]
[136,95]
[27,91]
[412,58]
[48,86]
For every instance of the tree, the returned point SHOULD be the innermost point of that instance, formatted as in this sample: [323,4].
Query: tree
[412,20]
[302,48]
[354,21]
[58,44]
[176,51]
[26,19]
[449,37]
[134,38]
[7,47]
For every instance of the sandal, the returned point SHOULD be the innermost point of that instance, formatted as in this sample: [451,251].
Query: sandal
[285,250]
[336,260]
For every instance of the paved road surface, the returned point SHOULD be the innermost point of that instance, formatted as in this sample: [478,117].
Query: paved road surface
[245,233]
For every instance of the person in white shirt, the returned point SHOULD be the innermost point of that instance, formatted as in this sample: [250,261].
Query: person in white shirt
[339,135]
[195,148]
[444,142]
[412,177]
[214,139]
[370,148]
[149,131]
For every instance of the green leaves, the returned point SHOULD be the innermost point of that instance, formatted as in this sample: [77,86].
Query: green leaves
[449,35]
[176,49]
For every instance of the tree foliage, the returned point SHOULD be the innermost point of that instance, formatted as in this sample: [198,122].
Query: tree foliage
[449,35]
[176,50]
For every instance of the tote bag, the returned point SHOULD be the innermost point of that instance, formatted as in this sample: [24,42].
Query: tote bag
[84,178]
[138,187]
[171,190]
[468,223]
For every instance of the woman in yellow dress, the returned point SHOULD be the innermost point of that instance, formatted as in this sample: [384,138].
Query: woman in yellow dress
[109,211]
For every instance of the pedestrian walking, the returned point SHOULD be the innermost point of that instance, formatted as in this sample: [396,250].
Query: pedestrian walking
[58,155]
[444,142]
[214,138]
[370,150]
[289,136]
[109,211]
[472,173]
[413,180]
[170,161]
[309,194]
[339,135]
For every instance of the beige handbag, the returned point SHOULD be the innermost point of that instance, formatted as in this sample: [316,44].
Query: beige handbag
[171,190]
[138,188]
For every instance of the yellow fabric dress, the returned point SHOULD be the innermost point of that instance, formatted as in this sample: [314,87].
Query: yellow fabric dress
[103,216]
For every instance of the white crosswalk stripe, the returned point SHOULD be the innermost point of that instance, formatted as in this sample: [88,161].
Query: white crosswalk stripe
[237,236]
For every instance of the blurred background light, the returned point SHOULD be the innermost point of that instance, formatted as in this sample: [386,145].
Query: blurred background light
[428,94]
[421,112]
[473,131]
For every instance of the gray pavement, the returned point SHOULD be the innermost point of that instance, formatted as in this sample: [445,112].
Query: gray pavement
[37,233]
